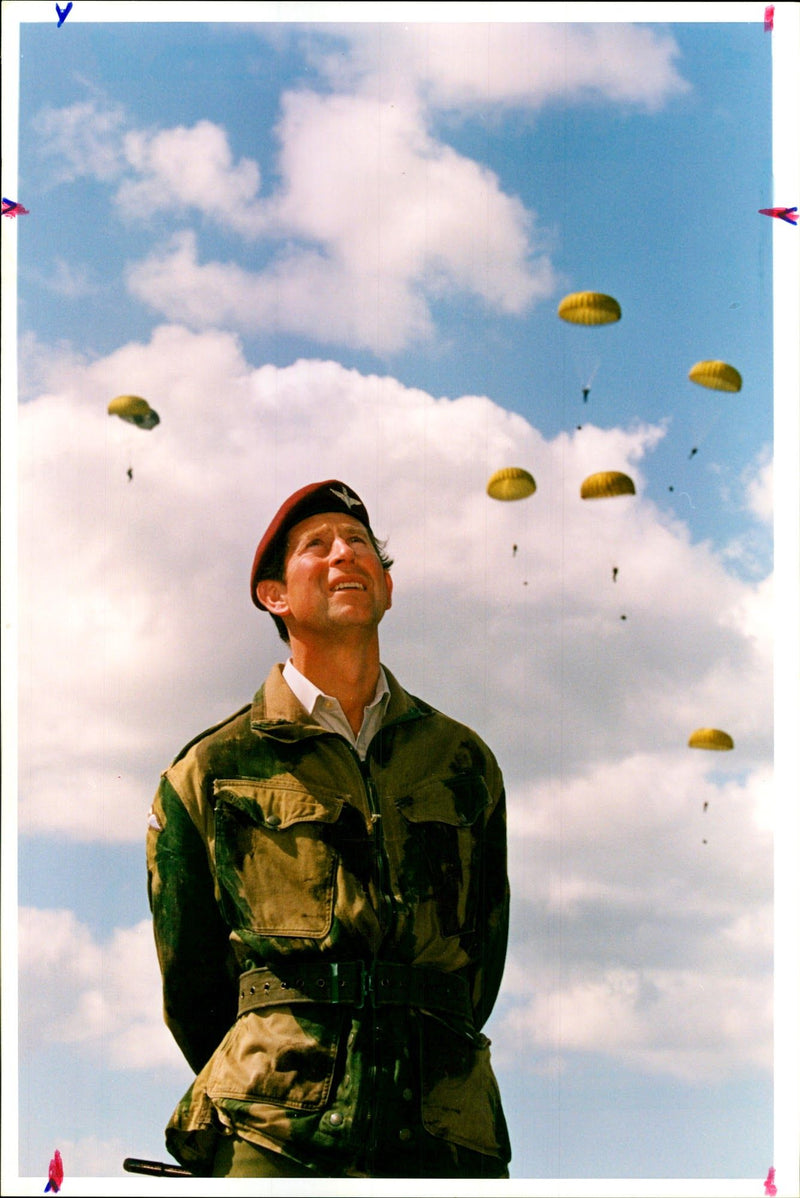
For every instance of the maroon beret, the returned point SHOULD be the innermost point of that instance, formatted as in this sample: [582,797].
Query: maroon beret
[329,496]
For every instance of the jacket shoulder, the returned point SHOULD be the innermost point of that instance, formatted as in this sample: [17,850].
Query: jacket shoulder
[223,726]
[444,728]
[444,722]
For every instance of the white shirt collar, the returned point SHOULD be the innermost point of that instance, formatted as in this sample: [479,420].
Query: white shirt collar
[327,710]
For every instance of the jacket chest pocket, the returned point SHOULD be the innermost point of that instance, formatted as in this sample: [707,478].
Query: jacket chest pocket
[440,859]
[275,864]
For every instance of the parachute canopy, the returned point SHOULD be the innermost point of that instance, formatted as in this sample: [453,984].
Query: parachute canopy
[606,483]
[134,410]
[719,376]
[589,307]
[512,482]
[710,738]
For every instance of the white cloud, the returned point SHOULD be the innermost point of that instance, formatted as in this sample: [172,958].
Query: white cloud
[41,365]
[192,168]
[136,560]
[137,631]
[378,219]
[81,139]
[694,1025]
[376,216]
[754,494]
[398,202]
[459,64]
[760,490]
[305,293]
[643,907]
[103,997]
[65,279]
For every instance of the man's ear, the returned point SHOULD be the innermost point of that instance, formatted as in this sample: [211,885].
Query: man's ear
[272,595]
[389,585]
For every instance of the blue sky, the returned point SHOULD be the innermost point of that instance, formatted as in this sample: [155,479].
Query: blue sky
[321,247]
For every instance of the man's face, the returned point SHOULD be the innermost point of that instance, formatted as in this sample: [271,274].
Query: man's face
[334,579]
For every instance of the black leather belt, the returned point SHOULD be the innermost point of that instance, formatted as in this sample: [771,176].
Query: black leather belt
[357,984]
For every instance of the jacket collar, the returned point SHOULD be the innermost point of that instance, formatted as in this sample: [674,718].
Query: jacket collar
[277,712]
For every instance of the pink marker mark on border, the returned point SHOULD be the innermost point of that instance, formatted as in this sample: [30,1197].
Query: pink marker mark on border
[55,1177]
[769,17]
[787,214]
[12,208]
[770,1189]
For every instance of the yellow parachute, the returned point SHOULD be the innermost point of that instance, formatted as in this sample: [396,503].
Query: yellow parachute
[718,376]
[606,483]
[134,410]
[589,307]
[512,482]
[710,738]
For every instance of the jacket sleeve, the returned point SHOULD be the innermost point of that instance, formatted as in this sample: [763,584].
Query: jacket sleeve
[494,912]
[197,966]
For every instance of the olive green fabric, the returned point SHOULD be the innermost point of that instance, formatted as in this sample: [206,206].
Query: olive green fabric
[240,1158]
[270,843]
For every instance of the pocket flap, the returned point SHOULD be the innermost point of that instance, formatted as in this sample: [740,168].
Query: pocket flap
[277,803]
[454,799]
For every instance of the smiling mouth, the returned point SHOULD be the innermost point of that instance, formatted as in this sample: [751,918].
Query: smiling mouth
[349,586]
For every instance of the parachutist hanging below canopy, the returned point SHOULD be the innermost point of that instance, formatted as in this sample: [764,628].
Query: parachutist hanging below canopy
[133,410]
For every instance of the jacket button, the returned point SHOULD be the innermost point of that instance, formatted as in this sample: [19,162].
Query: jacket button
[408,1094]
[404,1134]
[273,821]
[335,1118]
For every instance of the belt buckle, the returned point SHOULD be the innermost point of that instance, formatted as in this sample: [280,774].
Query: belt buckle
[350,982]
[364,984]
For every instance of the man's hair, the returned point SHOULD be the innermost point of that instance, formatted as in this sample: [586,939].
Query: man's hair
[273,567]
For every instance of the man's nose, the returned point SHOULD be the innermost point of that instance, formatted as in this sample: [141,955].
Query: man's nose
[341,549]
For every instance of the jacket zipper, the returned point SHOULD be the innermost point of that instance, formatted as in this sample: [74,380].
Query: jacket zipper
[385,919]
[386,899]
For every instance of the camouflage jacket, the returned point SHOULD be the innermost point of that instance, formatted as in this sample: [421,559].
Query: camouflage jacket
[271,844]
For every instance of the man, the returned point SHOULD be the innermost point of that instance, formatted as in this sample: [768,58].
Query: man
[327,875]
